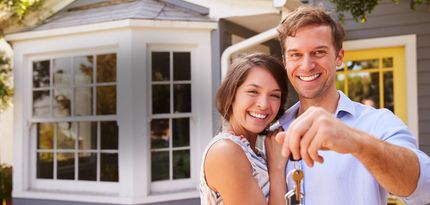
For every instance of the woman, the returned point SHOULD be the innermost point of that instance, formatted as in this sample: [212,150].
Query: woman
[233,171]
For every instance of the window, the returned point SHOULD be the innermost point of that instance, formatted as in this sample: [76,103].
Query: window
[171,111]
[74,113]
[375,77]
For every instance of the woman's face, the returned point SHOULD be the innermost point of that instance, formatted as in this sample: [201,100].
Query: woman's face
[256,103]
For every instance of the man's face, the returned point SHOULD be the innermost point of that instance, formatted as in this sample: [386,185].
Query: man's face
[311,59]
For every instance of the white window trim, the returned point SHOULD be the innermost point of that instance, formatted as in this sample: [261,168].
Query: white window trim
[156,189]
[66,186]
[409,43]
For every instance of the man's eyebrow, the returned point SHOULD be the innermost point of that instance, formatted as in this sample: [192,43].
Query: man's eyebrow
[318,47]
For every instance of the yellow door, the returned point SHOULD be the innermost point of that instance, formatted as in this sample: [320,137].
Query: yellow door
[376,77]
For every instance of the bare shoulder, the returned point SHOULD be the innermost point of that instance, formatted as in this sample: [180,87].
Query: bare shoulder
[225,160]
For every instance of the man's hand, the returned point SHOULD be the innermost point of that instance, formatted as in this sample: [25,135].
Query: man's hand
[316,129]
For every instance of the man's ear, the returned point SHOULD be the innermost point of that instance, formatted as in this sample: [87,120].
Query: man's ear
[339,57]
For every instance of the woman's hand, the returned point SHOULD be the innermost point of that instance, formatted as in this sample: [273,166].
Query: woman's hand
[275,161]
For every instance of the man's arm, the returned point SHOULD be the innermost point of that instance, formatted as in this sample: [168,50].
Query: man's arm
[394,167]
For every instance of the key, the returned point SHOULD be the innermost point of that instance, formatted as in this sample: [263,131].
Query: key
[298,177]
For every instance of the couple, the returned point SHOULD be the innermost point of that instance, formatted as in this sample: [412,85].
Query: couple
[362,153]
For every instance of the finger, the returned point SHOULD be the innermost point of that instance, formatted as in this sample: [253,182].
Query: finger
[285,146]
[280,136]
[315,146]
[305,143]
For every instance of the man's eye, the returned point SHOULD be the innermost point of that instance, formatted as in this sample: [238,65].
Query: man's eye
[320,53]
[294,55]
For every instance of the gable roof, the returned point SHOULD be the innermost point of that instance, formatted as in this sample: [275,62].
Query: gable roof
[85,12]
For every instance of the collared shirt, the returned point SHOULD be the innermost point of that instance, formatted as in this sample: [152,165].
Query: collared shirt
[343,179]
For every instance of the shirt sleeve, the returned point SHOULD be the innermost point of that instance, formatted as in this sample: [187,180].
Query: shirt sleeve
[396,132]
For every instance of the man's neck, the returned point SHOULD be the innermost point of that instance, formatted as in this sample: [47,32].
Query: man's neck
[328,102]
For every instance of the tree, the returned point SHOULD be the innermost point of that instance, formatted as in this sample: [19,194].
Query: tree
[359,9]
[11,12]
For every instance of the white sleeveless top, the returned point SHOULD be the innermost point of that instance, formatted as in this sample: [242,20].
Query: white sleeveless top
[258,164]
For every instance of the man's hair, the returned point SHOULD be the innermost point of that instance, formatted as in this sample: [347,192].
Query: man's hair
[237,75]
[310,16]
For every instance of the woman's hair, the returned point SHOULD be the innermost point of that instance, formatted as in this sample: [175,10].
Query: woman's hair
[238,73]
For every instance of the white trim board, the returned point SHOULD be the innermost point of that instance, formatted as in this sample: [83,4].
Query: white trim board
[128,23]
[409,42]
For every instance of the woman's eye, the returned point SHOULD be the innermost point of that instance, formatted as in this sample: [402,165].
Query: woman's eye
[276,96]
[252,92]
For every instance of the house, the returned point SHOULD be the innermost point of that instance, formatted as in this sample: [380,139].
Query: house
[114,99]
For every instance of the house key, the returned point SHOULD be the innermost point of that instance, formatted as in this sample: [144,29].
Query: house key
[298,177]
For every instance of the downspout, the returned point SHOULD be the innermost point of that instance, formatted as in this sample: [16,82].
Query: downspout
[259,38]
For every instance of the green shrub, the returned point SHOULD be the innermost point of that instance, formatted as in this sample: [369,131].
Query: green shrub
[5,182]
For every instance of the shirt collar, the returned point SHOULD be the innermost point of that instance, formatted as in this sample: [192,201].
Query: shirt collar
[345,105]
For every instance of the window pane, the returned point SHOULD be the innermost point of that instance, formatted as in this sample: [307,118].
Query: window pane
[364,87]
[387,62]
[182,98]
[109,135]
[363,64]
[159,166]
[87,135]
[340,82]
[45,165]
[160,66]
[62,102]
[41,103]
[62,72]
[65,139]
[83,68]
[65,166]
[181,66]
[87,166]
[106,100]
[83,101]
[181,132]
[389,91]
[45,136]
[106,68]
[109,167]
[181,164]
[160,133]
[41,74]
[160,99]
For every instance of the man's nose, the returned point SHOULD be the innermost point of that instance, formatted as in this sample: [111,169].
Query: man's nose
[308,62]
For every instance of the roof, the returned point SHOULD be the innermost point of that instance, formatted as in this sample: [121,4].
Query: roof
[85,12]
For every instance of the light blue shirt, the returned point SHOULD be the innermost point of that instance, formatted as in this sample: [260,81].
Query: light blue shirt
[342,179]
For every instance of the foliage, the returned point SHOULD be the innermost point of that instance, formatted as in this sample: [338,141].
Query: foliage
[5,182]
[6,91]
[12,10]
[360,9]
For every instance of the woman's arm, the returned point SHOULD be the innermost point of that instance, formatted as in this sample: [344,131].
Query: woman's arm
[229,172]
[276,165]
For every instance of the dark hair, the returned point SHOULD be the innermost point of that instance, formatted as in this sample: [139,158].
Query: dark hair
[238,73]
[310,16]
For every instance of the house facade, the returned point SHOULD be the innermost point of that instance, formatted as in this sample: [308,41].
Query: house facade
[114,100]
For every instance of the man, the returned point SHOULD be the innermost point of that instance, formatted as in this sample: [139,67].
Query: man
[362,153]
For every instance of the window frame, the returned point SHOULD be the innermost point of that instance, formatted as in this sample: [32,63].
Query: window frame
[173,185]
[409,44]
[74,185]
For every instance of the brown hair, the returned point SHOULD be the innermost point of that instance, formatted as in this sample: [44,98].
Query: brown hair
[310,16]
[238,73]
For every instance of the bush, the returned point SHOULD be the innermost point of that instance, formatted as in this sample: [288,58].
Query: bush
[5,182]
